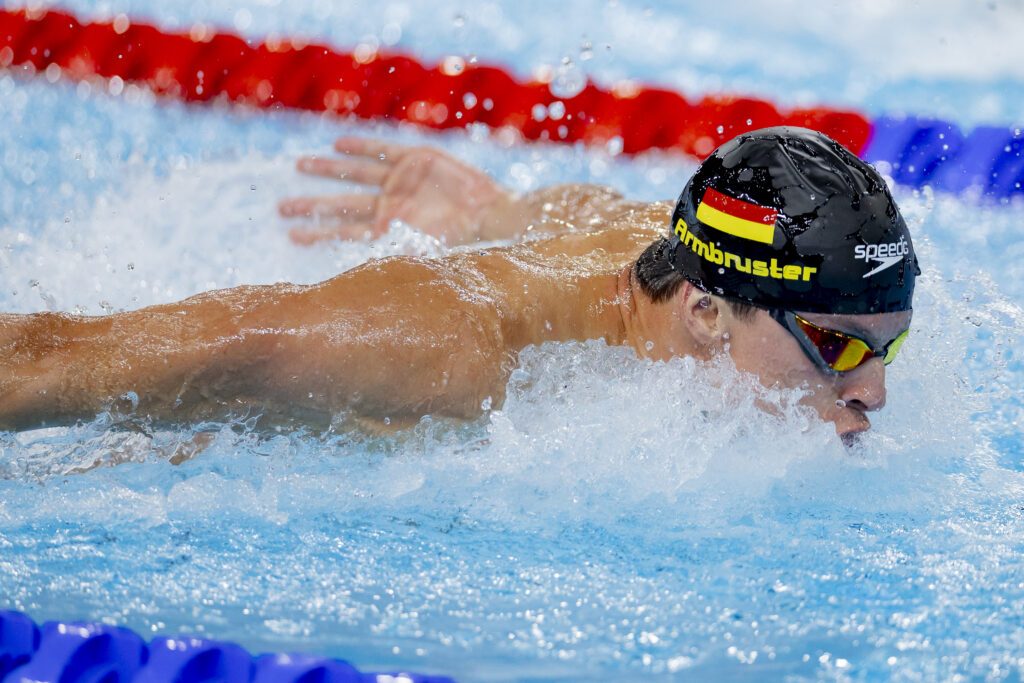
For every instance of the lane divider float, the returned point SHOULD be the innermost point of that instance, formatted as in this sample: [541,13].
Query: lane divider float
[207,64]
[79,652]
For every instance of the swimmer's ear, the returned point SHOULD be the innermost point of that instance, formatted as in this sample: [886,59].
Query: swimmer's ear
[704,316]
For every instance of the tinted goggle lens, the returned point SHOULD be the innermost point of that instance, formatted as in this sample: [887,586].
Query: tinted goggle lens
[842,352]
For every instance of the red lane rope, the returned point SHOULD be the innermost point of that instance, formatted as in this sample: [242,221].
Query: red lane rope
[205,65]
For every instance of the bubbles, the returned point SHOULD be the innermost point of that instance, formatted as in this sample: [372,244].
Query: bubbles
[568,80]
[586,51]
[614,146]
[242,19]
[610,515]
[391,34]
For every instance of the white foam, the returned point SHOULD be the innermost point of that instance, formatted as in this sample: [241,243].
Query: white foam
[614,515]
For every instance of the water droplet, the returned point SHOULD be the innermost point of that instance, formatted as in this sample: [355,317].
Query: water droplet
[569,80]
[459,21]
[586,50]
[252,188]
[387,420]
[131,266]
[391,33]
[649,345]
[453,65]
[132,398]
[720,129]
[485,404]
[840,403]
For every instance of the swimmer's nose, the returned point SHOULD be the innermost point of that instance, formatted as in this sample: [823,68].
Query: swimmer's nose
[863,389]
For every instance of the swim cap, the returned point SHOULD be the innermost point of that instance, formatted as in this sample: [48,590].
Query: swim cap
[788,218]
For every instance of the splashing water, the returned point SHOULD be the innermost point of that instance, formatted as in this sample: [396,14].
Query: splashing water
[613,515]
[613,518]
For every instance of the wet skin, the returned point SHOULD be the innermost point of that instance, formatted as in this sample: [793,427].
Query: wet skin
[395,338]
[841,398]
[398,338]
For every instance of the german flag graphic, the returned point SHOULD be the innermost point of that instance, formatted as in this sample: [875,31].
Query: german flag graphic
[737,217]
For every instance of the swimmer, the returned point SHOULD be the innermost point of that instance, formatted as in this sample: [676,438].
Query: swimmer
[784,251]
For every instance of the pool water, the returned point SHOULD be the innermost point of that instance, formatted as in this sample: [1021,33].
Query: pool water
[615,518]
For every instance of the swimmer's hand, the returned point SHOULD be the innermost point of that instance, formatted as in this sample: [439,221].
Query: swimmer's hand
[424,187]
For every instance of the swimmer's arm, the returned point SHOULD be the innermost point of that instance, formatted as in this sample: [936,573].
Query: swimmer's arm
[384,342]
[160,361]
[442,196]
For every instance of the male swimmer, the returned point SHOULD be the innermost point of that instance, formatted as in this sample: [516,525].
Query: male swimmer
[784,250]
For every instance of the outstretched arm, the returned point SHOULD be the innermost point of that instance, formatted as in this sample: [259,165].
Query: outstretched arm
[390,339]
[440,195]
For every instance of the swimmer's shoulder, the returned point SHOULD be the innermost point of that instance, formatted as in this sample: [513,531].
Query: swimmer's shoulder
[613,241]
[622,234]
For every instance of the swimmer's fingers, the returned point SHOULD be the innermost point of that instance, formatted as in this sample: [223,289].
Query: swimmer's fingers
[351,206]
[359,231]
[386,152]
[353,170]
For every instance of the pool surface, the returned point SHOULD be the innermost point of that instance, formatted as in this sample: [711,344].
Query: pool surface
[616,518]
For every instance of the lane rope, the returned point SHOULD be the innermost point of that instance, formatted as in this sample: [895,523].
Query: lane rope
[80,652]
[205,65]
[209,65]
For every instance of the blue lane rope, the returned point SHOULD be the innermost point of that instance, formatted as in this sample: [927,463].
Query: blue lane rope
[79,652]
[922,151]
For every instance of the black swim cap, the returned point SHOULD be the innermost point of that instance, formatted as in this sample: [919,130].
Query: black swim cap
[788,218]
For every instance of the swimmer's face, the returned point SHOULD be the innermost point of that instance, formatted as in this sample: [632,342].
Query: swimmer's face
[762,346]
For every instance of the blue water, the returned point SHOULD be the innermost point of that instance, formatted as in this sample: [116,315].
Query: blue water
[616,518]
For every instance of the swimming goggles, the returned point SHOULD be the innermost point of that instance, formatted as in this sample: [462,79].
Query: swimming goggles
[835,351]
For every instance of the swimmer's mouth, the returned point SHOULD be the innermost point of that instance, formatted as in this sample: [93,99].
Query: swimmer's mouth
[851,439]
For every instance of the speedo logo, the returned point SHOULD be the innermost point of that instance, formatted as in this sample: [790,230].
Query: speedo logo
[886,254]
[771,268]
